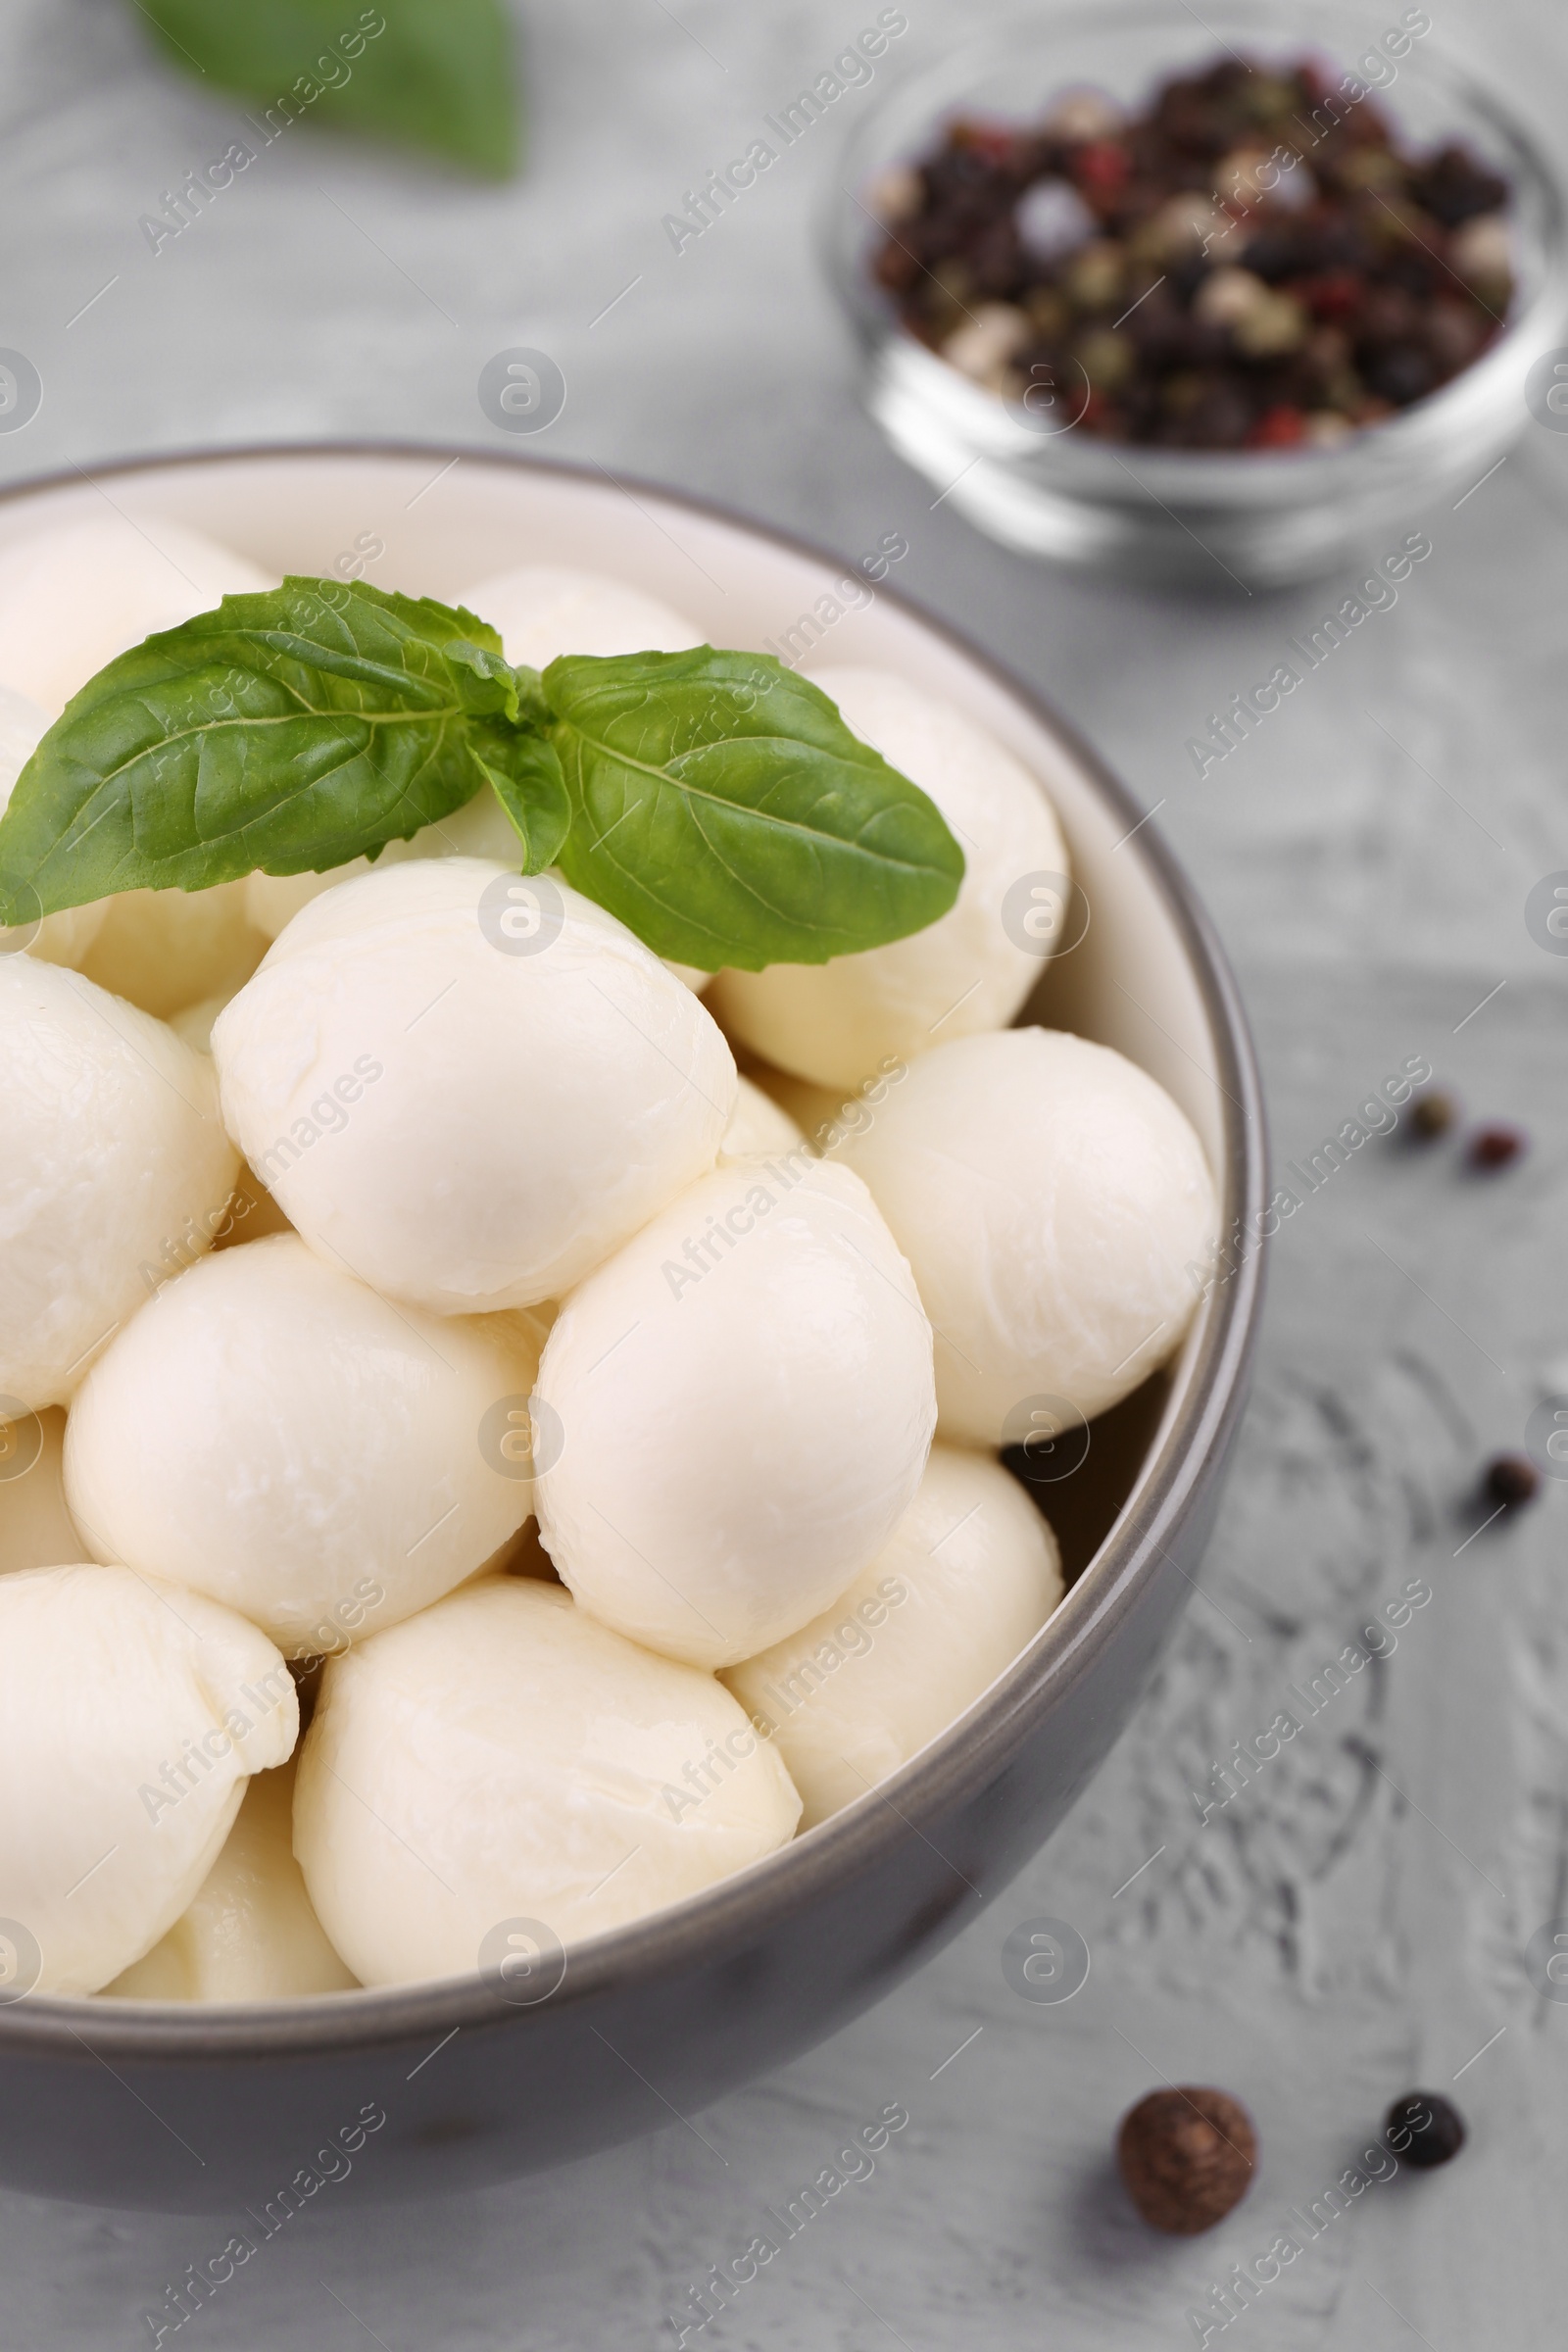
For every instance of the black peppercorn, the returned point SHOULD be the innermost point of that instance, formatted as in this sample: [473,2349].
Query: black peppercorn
[1432,1115]
[1510,1479]
[1424,2129]
[1496,1146]
[1403,373]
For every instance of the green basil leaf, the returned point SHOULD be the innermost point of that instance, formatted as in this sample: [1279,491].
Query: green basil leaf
[525,771]
[725,812]
[288,732]
[436,74]
[495,682]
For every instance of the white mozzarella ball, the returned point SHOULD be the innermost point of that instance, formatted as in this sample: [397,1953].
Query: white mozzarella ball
[541,610]
[164,950]
[968,1578]
[36,1529]
[62,938]
[837,1022]
[758,1126]
[460,1125]
[1050,1198]
[740,1404]
[133,1714]
[250,1934]
[501,1759]
[74,597]
[114,1170]
[271,1433]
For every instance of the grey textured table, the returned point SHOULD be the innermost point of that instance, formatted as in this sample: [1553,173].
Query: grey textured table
[1355,1920]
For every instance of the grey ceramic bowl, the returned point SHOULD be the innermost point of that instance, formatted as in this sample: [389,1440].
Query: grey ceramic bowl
[181,2108]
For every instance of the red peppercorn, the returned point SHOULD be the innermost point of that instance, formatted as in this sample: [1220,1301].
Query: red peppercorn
[1279,427]
[1338,294]
[1496,1146]
[996,142]
[1101,166]
[1187,2157]
[1511,1480]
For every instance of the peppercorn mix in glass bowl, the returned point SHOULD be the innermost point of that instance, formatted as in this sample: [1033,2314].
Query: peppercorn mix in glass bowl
[1198,300]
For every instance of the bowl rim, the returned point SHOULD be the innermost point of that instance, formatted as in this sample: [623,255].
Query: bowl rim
[705,1928]
[1410,432]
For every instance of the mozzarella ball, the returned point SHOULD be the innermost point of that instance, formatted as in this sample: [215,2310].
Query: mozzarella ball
[968,1578]
[461,1125]
[758,1126]
[250,1934]
[742,1403]
[270,1431]
[36,1530]
[836,1023]
[541,611]
[62,938]
[501,1760]
[73,597]
[115,1170]
[169,948]
[1050,1198]
[134,1713]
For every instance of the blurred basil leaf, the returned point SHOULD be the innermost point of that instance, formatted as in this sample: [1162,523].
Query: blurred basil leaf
[434,74]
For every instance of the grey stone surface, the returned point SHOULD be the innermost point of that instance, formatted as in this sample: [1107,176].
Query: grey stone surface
[1356,1920]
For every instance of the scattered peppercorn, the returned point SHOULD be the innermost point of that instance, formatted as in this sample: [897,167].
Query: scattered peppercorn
[1510,1479]
[1496,1146]
[1187,2157]
[1432,1115]
[1424,2129]
[1249,263]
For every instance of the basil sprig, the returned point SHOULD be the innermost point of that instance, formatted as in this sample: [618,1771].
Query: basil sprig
[436,74]
[714,800]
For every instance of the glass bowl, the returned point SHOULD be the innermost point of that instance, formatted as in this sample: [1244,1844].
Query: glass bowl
[1254,517]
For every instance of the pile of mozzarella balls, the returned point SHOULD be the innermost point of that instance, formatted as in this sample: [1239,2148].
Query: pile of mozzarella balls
[396,1270]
